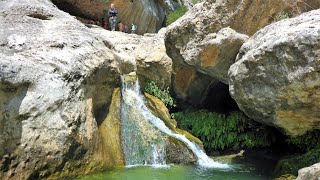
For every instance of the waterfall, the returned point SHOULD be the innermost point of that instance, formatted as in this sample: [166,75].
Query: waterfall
[170,5]
[135,112]
[142,143]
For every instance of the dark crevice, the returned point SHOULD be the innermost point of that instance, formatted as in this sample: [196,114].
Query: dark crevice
[219,99]
[40,16]
[6,162]
[100,113]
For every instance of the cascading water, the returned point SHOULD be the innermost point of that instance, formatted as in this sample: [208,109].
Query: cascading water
[169,3]
[142,143]
[147,146]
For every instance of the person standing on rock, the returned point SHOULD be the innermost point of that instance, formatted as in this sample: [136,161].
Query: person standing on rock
[112,12]
[133,29]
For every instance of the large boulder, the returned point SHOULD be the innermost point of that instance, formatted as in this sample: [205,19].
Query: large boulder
[148,15]
[310,173]
[208,37]
[276,77]
[57,77]
[148,52]
[202,39]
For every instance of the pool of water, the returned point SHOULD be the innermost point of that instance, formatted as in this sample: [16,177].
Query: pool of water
[180,172]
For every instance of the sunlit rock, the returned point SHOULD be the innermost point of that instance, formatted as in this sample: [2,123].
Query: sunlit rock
[276,77]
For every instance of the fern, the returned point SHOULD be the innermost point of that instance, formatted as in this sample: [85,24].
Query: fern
[164,95]
[220,132]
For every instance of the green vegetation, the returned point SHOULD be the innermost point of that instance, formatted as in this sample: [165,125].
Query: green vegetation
[306,142]
[309,145]
[286,177]
[292,164]
[281,16]
[196,1]
[164,95]
[221,132]
[176,14]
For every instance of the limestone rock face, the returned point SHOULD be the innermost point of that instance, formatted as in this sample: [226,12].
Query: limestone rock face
[215,53]
[276,77]
[49,66]
[312,172]
[148,52]
[190,85]
[208,37]
[57,77]
[299,6]
[148,15]
[110,147]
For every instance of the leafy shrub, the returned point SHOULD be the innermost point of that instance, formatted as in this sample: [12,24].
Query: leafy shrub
[164,95]
[176,14]
[220,132]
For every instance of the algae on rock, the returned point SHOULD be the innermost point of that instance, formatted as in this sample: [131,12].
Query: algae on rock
[110,148]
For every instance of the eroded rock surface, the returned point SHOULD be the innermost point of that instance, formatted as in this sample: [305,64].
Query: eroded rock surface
[276,77]
[208,37]
[149,53]
[57,77]
[49,66]
[148,15]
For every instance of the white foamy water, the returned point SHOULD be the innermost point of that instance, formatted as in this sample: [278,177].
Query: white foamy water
[169,3]
[132,97]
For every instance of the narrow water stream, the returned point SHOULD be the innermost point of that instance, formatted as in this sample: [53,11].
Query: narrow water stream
[142,143]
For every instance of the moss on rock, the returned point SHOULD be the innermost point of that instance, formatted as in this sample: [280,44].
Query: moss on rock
[110,148]
[286,177]
[292,164]
[76,168]
[160,110]
[177,152]
[174,147]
